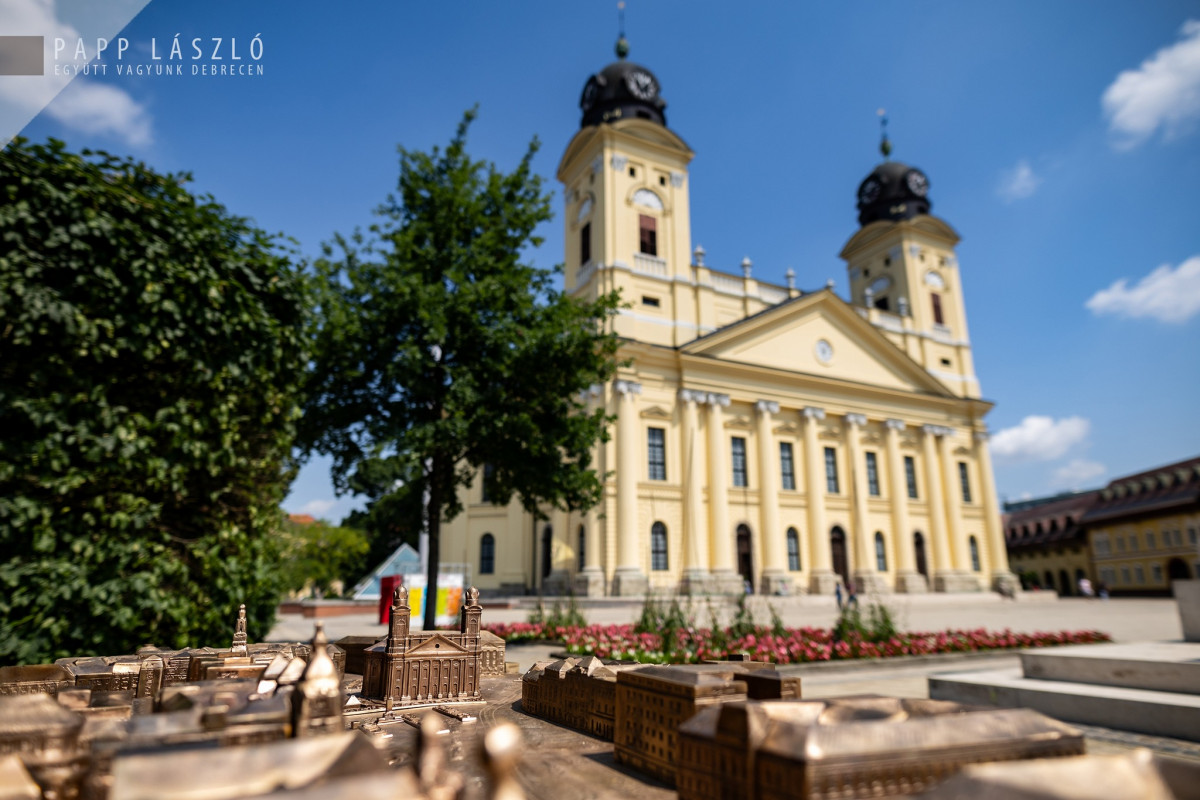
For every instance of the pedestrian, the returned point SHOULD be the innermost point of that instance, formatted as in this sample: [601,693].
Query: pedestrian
[1102,590]
[852,595]
[1085,587]
[837,592]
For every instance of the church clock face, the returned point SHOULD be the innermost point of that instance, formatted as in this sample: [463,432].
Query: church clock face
[869,191]
[641,84]
[823,351]
[918,184]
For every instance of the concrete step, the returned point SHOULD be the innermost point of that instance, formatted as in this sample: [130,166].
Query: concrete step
[1140,710]
[1158,666]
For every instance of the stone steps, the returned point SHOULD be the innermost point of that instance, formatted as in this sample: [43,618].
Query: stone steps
[1160,713]
[1157,666]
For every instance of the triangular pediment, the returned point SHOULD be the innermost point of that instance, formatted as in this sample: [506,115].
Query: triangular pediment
[818,334]
[437,645]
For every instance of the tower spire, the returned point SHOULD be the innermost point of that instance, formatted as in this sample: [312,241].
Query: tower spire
[885,144]
[622,47]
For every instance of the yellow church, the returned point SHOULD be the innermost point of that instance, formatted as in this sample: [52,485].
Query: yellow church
[767,439]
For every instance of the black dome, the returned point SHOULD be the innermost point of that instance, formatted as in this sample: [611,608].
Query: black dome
[619,91]
[893,191]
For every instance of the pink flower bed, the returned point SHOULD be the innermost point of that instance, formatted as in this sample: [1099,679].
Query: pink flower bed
[797,646]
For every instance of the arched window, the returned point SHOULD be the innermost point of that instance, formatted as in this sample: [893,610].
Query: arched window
[547,549]
[793,546]
[880,553]
[658,547]
[487,554]
[973,543]
[582,547]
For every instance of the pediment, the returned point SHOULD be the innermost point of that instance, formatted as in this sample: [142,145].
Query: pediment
[656,412]
[820,335]
[437,645]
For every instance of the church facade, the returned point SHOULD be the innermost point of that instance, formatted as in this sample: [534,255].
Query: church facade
[766,438]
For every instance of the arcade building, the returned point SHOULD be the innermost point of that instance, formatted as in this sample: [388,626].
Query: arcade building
[766,437]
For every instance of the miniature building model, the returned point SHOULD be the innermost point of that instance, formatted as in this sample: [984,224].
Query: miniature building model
[413,668]
[766,436]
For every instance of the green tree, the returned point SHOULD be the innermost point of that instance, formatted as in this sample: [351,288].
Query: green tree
[317,555]
[437,350]
[151,350]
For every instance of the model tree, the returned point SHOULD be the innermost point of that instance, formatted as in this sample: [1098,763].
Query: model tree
[151,349]
[439,350]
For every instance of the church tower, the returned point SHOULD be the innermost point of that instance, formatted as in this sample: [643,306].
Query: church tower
[904,273]
[626,204]
[317,697]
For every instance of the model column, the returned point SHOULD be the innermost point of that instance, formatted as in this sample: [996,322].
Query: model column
[960,561]
[695,578]
[775,579]
[821,576]
[937,509]
[908,580]
[629,578]
[867,579]
[1002,577]
[724,579]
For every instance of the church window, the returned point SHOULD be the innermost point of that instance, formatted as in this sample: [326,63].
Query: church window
[787,466]
[647,300]
[633,172]
[1151,542]
[831,473]
[658,547]
[662,180]
[880,553]
[487,554]
[910,475]
[658,454]
[881,303]
[648,237]
[938,319]
[585,243]
[964,480]
[974,545]
[945,362]
[872,476]
[793,549]
[738,446]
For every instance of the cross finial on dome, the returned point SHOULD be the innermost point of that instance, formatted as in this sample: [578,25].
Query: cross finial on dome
[885,144]
[622,47]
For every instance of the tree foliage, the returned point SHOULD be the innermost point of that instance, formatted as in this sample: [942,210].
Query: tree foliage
[318,555]
[151,348]
[438,350]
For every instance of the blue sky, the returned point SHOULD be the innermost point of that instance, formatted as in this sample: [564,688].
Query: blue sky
[1062,141]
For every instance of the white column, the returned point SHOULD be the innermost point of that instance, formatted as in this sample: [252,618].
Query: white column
[589,582]
[866,577]
[933,499]
[629,578]
[960,559]
[821,576]
[695,549]
[1002,576]
[720,537]
[908,580]
[775,578]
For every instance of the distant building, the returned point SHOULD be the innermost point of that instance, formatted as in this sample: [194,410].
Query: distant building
[1142,529]
[1047,543]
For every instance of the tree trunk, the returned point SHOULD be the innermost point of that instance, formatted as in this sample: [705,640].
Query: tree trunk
[433,523]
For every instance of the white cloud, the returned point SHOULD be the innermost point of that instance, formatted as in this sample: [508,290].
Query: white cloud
[1018,183]
[1039,438]
[1077,472]
[317,508]
[1166,294]
[81,103]
[1163,92]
